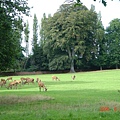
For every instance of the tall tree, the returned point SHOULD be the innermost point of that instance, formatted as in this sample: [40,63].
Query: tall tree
[35,45]
[11,13]
[72,35]
[42,29]
[26,40]
[35,33]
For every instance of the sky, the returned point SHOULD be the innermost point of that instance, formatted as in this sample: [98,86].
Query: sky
[108,13]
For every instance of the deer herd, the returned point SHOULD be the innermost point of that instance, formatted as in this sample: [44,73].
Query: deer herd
[13,84]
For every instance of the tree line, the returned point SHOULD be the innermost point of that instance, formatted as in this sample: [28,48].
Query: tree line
[74,38]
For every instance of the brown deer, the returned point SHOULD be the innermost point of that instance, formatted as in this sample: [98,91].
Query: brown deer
[10,78]
[29,80]
[41,85]
[18,82]
[55,78]
[11,84]
[23,79]
[2,82]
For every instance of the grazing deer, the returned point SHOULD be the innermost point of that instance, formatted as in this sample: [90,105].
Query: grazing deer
[23,79]
[11,84]
[10,78]
[41,85]
[73,77]
[18,82]
[55,78]
[2,82]
[29,80]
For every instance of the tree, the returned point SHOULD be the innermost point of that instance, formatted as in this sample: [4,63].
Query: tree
[113,42]
[42,29]
[99,57]
[35,45]
[26,40]
[71,30]
[11,13]
[35,33]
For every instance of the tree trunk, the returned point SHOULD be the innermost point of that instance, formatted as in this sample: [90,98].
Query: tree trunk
[100,67]
[116,66]
[71,56]
[72,70]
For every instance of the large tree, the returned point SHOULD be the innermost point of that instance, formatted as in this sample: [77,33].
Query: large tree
[71,30]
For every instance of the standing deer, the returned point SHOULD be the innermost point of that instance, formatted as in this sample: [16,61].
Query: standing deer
[41,85]
[73,77]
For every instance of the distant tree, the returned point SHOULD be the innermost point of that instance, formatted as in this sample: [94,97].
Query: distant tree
[113,42]
[26,40]
[35,45]
[35,33]
[42,29]
[99,57]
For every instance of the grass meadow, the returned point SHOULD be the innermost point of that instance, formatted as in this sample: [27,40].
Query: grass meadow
[91,96]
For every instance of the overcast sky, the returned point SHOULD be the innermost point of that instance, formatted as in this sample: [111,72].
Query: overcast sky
[111,11]
[108,13]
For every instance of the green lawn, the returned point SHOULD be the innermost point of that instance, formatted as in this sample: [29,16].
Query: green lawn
[66,99]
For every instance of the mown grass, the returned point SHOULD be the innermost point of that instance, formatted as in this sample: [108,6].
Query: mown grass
[66,99]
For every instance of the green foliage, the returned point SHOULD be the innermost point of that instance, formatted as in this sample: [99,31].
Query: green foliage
[113,42]
[35,33]
[59,62]
[11,18]
[71,30]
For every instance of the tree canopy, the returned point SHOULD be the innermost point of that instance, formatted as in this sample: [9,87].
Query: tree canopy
[70,33]
[11,26]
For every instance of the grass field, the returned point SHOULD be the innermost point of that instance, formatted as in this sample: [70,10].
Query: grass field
[91,96]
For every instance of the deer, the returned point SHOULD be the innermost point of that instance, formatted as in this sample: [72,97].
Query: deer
[23,79]
[73,77]
[55,78]
[10,78]
[41,85]
[11,84]
[2,82]
[29,80]
[18,82]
